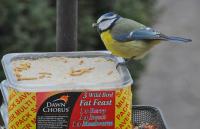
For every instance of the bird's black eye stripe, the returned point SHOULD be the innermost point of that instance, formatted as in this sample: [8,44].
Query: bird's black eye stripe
[104,19]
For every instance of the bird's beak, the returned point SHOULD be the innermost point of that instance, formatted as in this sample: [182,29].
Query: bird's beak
[94,25]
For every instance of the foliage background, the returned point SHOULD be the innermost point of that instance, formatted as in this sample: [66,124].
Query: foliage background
[30,25]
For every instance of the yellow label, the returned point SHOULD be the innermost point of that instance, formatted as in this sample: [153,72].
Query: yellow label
[123,110]
[21,110]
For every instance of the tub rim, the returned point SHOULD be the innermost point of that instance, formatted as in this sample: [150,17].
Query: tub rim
[126,79]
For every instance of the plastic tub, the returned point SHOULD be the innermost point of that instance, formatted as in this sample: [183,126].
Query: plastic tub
[79,105]
[4,91]
[4,114]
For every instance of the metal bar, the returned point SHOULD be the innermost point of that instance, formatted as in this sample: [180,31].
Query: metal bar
[67,25]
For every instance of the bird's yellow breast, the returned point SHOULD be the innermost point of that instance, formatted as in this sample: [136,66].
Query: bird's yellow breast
[126,49]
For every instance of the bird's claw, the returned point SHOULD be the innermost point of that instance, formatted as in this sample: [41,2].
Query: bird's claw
[121,63]
[125,63]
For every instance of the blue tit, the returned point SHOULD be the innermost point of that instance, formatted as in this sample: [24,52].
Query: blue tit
[129,39]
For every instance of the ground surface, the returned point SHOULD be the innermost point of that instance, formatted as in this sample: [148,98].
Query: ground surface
[172,78]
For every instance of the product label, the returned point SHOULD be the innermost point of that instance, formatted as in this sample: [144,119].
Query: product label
[21,110]
[94,109]
[70,110]
[123,105]
[54,111]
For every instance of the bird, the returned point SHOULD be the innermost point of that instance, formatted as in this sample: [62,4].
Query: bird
[129,39]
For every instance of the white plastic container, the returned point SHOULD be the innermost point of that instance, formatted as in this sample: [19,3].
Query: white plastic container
[77,105]
[4,91]
[4,114]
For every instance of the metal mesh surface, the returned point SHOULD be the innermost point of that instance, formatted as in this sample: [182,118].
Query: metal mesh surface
[148,114]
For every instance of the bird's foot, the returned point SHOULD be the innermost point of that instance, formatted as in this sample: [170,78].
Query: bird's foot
[121,64]
[125,63]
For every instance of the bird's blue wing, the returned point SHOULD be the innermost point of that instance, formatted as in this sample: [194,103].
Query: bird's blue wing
[139,34]
[126,30]
[148,34]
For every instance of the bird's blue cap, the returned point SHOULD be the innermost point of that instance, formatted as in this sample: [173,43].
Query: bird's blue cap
[109,15]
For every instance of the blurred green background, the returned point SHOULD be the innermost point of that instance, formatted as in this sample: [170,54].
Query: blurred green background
[30,25]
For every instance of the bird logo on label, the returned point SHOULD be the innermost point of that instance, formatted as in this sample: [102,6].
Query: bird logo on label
[64,98]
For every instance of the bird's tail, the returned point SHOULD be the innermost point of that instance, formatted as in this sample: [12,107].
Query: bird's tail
[176,39]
